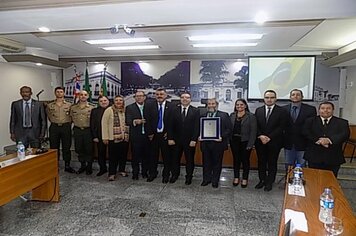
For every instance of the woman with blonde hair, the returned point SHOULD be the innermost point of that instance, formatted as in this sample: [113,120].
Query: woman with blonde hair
[115,134]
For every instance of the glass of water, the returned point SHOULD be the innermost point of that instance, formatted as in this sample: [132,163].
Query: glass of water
[335,227]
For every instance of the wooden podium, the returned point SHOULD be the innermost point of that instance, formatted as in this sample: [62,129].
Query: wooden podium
[37,173]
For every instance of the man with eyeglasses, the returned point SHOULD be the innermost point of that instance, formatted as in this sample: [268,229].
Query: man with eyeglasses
[271,123]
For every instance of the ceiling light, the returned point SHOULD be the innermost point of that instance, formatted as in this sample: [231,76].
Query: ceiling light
[44,29]
[121,40]
[225,37]
[134,47]
[260,18]
[39,64]
[216,45]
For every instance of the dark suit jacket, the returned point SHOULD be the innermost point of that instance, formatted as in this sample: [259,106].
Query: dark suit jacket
[294,130]
[152,117]
[38,119]
[275,127]
[184,131]
[225,128]
[248,128]
[337,131]
[95,122]
[133,112]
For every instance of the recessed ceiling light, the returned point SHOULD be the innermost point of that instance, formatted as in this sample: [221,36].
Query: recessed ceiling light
[39,64]
[217,45]
[260,18]
[224,37]
[44,29]
[121,40]
[134,47]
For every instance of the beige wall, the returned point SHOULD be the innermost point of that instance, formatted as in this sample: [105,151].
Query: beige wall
[350,95]
[12,77]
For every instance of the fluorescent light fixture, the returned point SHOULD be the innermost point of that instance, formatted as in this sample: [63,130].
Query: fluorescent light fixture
[224,37]
[39,64]
[44,29]
[134,47]
[121,40]
[260,18]
[217,45]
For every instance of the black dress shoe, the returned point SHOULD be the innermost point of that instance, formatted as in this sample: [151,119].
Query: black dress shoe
[101,172]
[173,180]
[205,183]
[268,188]
[150,178]
[88,171]
[135,177]
[165,180]
[260,185]
[81,170]
[188,181]
[215,185]
[69,169]
[144,176]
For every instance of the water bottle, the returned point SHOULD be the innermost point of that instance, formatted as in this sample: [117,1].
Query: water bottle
[21,150]
[297,179]
[326,206]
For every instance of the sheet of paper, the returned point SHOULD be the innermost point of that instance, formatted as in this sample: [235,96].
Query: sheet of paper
[298,220]
[210,128]
[291,191]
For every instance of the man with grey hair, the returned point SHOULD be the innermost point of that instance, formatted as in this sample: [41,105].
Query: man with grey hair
[213,150]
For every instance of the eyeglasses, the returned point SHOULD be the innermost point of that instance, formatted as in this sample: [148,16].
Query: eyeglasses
[269,97]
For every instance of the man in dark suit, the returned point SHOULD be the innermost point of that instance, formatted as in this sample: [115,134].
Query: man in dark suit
[325,135]
[140,147]
[158,113]
[294,140]
[28,119]
[183,132]
[213,150]
[271,122]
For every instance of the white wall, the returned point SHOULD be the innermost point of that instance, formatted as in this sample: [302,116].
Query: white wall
[12,77]
[350,98]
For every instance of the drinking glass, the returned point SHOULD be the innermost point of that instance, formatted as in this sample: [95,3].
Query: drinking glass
[335,227]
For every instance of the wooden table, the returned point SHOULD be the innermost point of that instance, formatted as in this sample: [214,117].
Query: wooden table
[38,174]
[316,181]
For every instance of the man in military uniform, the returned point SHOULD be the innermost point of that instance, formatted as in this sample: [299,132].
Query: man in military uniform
[60,128]
[80,114]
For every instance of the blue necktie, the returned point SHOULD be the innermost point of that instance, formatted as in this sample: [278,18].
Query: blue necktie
[294,113]
[143,125]
[160,117]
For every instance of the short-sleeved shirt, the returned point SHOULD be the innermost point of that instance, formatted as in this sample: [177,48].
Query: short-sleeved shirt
[81,115]
[59,114]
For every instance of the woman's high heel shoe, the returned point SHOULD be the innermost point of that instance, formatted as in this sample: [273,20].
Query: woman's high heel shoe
[236,181]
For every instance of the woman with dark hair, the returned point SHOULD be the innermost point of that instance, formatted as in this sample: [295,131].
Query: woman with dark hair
[242,140]
[115,134]
[95,127]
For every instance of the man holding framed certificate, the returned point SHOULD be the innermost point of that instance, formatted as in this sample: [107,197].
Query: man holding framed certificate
[215,130]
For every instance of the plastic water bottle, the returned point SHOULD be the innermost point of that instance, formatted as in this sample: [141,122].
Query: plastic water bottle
[326,206]
[21,151]
[297,179]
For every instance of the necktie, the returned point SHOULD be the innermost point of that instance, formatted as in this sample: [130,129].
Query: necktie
[27,115]
[184,113]
[143,125]
[294,113]
[325,122]
[160,117]
[268,114]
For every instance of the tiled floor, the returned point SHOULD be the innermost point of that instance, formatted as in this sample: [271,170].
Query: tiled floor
[91,205]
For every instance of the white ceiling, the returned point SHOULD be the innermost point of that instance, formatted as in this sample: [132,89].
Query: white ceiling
[301,26]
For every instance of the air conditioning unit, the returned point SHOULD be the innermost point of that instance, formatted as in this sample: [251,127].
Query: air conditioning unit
[8,45]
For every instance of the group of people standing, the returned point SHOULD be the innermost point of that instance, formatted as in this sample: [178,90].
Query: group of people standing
[161,128]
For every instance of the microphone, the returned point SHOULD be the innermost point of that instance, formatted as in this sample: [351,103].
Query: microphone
[39,93]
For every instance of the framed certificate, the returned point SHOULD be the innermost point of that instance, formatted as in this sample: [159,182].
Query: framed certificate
[210,128]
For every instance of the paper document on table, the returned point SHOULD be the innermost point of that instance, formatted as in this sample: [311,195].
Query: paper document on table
[298,220]
[291,191]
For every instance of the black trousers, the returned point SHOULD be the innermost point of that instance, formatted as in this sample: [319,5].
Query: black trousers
[240,155]
[159,144]
[117,156]
[83,144]
[61,133]
[213,154]
[189,153]
[323,166]
[102,155]
[140,149]
[267,157]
